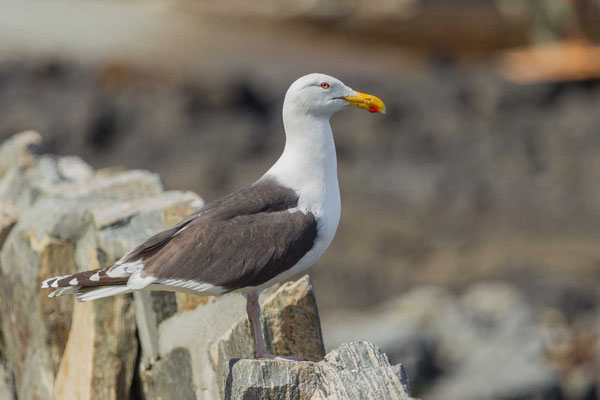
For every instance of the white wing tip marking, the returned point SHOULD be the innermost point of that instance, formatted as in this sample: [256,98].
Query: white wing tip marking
[95,277]
[126,269]
[136,281]
[54,279]
[73,282]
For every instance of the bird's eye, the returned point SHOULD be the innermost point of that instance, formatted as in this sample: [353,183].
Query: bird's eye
[325,85]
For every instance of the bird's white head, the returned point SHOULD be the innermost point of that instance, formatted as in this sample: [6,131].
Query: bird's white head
[322,95]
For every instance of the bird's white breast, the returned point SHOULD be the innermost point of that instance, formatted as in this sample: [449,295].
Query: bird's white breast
[308,166]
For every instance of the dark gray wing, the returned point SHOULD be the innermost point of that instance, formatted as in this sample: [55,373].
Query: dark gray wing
[246,250]
[264,196]
[243,239]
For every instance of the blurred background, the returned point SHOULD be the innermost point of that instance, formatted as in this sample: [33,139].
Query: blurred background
[468,247]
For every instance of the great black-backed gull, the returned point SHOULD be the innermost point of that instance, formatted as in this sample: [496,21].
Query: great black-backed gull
[260,235]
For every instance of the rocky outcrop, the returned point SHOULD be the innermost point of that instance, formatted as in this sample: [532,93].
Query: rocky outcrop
[486,343]
[59,216]
[70,218]
[8,219]
[291,327]
[355,371]
[171,378]
[217,331]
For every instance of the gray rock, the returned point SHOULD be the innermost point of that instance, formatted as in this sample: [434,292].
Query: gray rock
[23,186]
[8,218]
[505,356]
[170,377]
[291,327]
[164,305]
[19,150]
[483,344]
[145,318]
[67,218]
[405,328]
[195,330]
[7,388]
[59,218]
[44,176]
[122,186]
[501,370]
[70,219]
[117,213]
[34,329]
[151,308]
[74,169]
[99,358]
[47,354]
[353,371]
[217,330]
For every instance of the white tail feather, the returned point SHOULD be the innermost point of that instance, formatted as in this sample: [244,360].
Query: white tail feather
[102,291]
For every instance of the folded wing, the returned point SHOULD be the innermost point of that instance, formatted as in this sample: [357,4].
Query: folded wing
[242,240]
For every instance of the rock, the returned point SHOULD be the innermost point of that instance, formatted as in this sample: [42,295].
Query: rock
[35,330]
[22,187]
[217,330]
[500,371]
[73,219]
[8,218]
[265,379]
[151,309]
[170,378]
[353,371]
[186,302]
[121,186]
[403,327]
[74,169]
[7,389]
[59,216]
[99,359]
[483,344]
[507,353]
[146,320]
[46,177]
[194,331]
[291,322]
[117,213]
[19,150]
[574,350]
[291,327]
[40,342]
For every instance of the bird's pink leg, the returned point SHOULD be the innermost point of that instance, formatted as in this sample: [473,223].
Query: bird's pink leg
[253,310]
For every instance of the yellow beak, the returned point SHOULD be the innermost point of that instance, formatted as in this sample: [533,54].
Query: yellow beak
[366,101]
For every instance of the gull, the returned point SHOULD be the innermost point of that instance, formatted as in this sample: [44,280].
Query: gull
[268,232]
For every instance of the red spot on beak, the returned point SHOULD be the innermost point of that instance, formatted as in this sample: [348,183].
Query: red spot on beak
[374,109]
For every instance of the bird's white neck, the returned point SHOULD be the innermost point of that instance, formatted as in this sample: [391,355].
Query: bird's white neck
[308,163]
